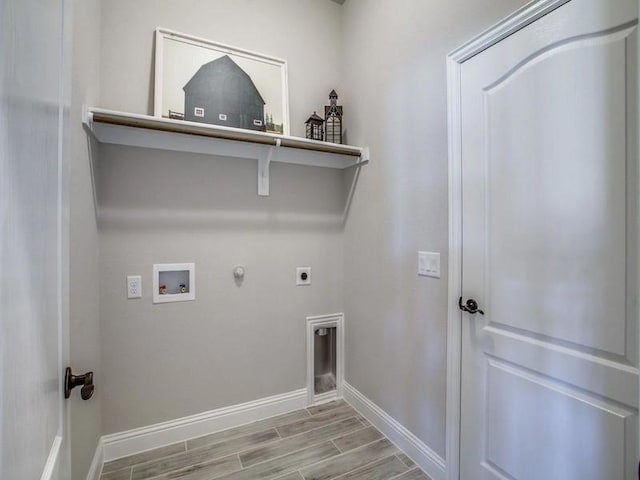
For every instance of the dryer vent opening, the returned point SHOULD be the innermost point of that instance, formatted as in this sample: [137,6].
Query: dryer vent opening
[324,359]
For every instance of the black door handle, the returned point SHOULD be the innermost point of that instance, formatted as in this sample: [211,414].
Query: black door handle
[72,381]
[470,307]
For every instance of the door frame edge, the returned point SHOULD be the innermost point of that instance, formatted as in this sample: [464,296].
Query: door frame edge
[518,20]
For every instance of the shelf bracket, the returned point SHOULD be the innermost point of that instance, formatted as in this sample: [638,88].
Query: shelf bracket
[263,170]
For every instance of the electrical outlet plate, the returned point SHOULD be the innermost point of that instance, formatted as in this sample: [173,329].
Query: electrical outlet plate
[303,276]
[134,286]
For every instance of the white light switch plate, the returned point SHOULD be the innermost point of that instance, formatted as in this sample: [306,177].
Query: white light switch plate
[134,286]
[429,264]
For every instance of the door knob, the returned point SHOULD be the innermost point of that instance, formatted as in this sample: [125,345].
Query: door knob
[471,306]
[72,381]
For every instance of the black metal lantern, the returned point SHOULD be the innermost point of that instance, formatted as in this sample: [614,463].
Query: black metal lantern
[315,129]
[333,119]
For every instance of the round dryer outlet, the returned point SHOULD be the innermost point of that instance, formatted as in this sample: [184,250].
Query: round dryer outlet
[303,276]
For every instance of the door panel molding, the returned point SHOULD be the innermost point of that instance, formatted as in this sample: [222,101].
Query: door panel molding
[568,365]
[569,390]
[508,245]
[516,401]
[609,35]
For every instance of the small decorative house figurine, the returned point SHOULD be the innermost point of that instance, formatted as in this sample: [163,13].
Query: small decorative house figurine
[314,127]
[333,119]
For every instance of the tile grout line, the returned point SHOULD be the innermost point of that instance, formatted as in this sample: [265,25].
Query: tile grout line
[204,462]
[371,442]
[319,442]
[287,472]
[338,403]
[266,444]
[166,475]
[239,463]
[144,451]
[359,426]
[334,444]
[188,450]
[134,465]
[186,442]
[318,428]
[356,470]
[322,426]
[275,427]
[348,452]
[362,467]
[249,423]
[364,427]
[410,469]
[240,426]
[405,463]
[243,469]
[242,466]
[355,412]
[208,446]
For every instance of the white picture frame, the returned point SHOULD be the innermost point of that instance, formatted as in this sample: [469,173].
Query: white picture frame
[186,65]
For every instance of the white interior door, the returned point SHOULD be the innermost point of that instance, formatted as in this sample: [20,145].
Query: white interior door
[550,249]
[33,256]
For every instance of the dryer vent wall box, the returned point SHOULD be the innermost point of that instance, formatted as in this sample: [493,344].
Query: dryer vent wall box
[174,282]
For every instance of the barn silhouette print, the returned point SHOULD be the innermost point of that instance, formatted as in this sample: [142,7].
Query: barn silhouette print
[222,93]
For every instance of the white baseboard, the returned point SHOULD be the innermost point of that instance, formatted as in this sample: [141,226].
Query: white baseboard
[138,440]
[428,460]
[325,397]
[127,443]
[95,469]
[50,466]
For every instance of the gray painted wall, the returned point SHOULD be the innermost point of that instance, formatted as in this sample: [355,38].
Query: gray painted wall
[239,343]
[306,33]
[84,314]
[233,343]
[395,96]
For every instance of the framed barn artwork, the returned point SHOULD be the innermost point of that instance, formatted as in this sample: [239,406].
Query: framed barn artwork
[199,80]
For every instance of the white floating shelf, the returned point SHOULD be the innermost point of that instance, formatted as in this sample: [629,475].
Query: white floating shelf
[120,128]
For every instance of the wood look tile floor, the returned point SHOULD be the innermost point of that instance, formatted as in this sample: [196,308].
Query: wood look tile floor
[329,441]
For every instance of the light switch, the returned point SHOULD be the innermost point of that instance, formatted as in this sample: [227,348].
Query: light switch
[429,264]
